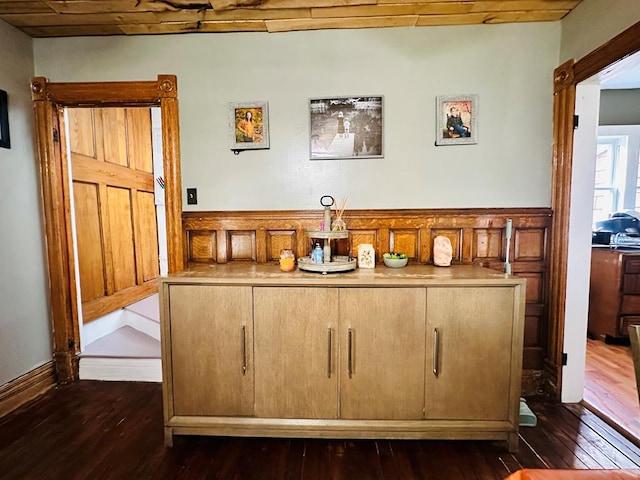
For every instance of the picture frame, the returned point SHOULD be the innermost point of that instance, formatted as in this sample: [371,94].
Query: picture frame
[5,140]
[249,125]
[456,119]
[346,127]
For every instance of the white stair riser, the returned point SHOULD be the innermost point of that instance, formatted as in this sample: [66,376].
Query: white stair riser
[121,369]
[141,323]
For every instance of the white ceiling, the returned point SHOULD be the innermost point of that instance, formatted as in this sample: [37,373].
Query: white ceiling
[629,77]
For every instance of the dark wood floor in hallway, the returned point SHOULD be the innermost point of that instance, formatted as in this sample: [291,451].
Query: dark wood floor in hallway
[113,430]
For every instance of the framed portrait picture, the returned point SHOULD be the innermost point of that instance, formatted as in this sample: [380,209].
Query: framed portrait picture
[249,125]
[456,119]
[346,127]
[4,121]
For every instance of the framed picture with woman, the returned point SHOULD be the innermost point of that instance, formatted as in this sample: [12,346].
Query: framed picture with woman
[249,125]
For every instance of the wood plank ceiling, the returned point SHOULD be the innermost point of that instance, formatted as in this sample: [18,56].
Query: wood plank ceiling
[64,18]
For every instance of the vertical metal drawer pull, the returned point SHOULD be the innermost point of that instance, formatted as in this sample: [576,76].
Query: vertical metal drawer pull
[436,350]
[244,350]
[350,352]
[329,349]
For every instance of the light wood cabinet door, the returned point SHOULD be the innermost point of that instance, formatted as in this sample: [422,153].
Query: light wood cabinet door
[211,350]
[296,352]
[382,353]
[469,353]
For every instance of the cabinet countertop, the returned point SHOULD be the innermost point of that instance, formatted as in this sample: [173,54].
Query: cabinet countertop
[415,275]
[606,249]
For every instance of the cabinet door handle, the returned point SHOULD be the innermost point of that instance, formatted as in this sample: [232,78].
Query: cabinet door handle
[436,351]
[244,350]
[350,359]
[329,350]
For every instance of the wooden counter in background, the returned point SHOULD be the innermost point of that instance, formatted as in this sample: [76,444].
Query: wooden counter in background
[414,352]
[614,296]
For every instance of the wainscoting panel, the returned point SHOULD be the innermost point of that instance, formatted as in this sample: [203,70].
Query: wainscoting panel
[478,236]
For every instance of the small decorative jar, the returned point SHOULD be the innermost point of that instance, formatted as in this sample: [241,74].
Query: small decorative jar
[317,256]
[287,261]
[366,256]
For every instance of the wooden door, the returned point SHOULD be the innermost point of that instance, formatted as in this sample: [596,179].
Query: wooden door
[296,352]
[211,355]
[382,353]
[115,216]
[469,353]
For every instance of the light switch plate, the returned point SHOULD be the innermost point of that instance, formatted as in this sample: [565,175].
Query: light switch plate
[192,196]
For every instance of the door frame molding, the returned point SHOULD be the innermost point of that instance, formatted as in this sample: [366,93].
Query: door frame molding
[605,61]
[48,101]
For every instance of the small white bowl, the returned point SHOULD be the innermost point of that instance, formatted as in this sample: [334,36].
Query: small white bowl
[394,262]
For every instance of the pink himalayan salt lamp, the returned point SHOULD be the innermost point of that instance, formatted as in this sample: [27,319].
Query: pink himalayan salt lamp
[442,251]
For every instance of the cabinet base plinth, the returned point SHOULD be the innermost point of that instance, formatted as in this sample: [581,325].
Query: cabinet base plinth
[343,429]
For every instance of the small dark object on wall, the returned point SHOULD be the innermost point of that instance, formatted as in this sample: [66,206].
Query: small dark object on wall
[4,120]
[192,196]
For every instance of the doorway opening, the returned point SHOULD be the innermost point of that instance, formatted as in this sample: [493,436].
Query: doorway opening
[50,100]
[115,167]
[598,186]
[609,384]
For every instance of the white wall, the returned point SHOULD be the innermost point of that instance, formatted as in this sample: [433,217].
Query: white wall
[509,66]
[25,334]
[593,23]
[620,107]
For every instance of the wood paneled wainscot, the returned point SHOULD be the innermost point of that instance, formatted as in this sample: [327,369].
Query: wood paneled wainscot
[416,352]
[476,234]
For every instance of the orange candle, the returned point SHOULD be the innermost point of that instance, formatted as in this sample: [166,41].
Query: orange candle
[287,261]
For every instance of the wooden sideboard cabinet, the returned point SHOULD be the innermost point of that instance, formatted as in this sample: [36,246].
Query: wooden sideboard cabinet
[614,295]
[417,352]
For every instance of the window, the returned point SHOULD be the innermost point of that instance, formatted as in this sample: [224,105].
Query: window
[606,192]
[617,172]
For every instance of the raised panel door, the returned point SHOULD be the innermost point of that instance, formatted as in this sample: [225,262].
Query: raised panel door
[382,353]
[296,352]
[470,335]
[115,220]
[211,350]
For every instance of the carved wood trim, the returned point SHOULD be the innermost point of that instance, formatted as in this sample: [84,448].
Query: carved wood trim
[57,227]
[563,110]
[47,99]
[607,55]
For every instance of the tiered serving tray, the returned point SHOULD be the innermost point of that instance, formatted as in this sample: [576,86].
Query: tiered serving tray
[337,263]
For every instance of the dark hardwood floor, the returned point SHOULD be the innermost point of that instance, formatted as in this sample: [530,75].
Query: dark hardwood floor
[610,386]
[113,430]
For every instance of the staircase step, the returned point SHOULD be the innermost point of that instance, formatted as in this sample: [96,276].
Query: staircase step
[125,342]
[125,354]
[121,369]
[148,307]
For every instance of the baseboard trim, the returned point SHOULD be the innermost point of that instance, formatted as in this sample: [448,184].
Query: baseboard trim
[32,384]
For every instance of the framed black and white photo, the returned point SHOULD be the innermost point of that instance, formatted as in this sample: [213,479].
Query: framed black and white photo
[456,119]
[5,140]
[249,125]
[346,127]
